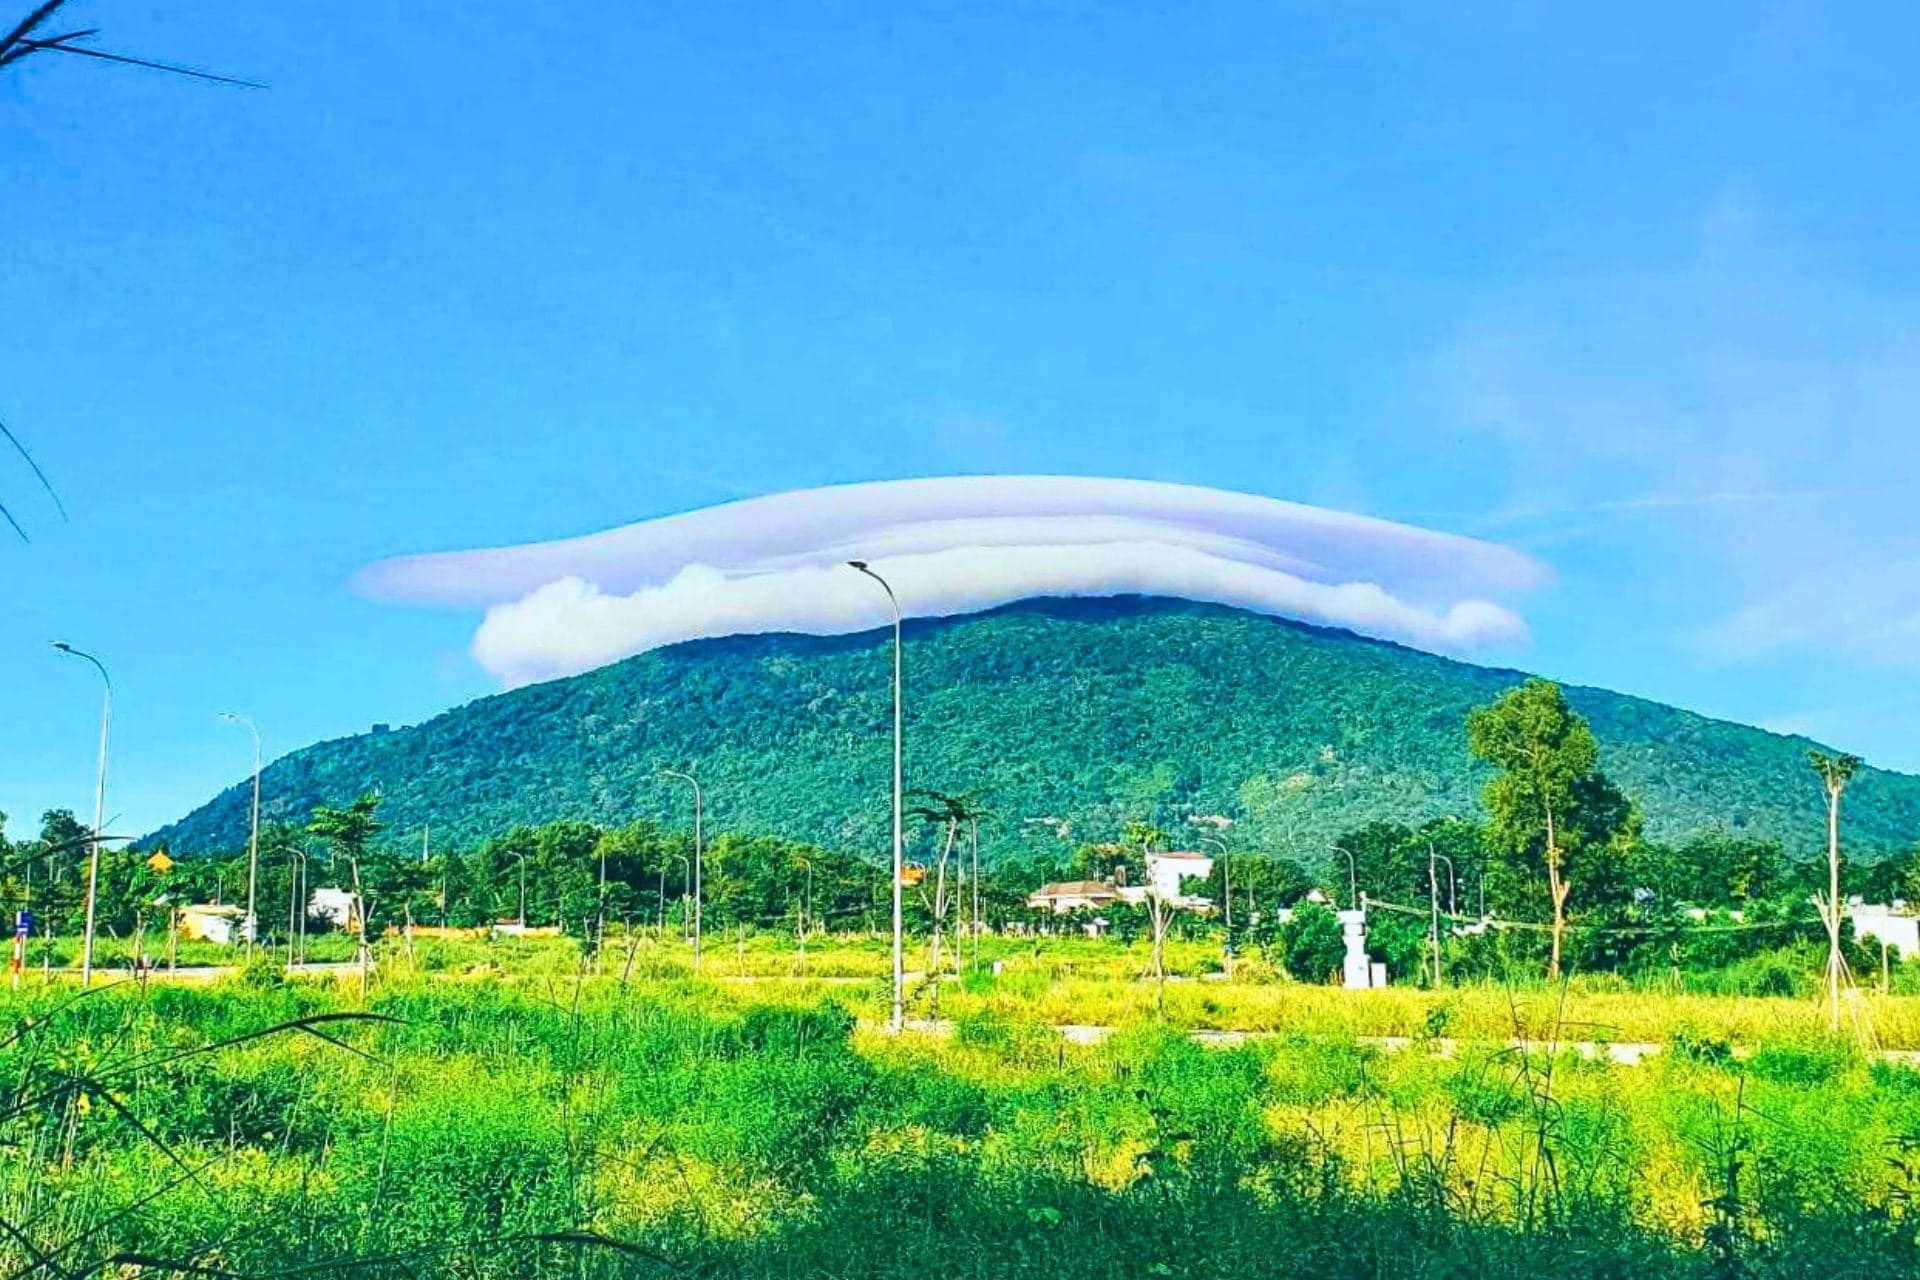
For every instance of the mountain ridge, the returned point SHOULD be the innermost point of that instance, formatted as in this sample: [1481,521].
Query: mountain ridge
[1094,709]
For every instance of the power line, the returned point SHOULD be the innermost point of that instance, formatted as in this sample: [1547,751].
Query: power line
[1547,927]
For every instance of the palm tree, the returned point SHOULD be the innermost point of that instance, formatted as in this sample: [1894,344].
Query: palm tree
[951,811]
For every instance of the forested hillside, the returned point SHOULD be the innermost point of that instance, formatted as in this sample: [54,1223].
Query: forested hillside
[1091,711]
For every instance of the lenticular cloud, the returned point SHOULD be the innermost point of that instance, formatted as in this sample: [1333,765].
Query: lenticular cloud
[956,545]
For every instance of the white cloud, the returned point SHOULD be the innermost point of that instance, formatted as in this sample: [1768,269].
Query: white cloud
[956,545]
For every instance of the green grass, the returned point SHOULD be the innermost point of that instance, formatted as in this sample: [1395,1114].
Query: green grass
[489,1109]
[111,953]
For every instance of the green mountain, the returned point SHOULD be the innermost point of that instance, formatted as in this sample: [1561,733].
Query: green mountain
[1090,710]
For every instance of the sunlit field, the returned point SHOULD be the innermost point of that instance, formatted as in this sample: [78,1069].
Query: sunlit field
[511,1108]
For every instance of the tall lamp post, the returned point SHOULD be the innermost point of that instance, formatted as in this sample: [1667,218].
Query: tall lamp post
[253,836]
[898,1018]
[1353,878]
[698,857]
[99,808]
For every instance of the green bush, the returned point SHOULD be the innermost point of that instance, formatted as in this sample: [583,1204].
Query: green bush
[1312,942]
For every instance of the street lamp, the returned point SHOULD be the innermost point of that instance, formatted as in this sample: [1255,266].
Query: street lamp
[1353,878]
[99,808]
[898,1018]
[253,837]
[698,858]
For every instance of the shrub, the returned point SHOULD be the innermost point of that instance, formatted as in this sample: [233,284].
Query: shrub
[1313,945]
[1806,1066]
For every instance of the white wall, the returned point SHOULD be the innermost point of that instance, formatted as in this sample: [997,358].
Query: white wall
[1899,930]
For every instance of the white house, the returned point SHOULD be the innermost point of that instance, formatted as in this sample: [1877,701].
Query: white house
[1895,925]
[1167,874]
[335,906]
[1068,896]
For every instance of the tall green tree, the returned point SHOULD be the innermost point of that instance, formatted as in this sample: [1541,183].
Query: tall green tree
[349,831]
[1548,802]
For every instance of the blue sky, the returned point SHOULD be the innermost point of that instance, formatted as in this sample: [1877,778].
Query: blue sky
[1630,291]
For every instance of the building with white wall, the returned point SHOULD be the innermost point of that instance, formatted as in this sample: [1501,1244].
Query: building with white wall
[1894,925]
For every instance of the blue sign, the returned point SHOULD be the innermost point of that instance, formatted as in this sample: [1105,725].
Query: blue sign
[22,924]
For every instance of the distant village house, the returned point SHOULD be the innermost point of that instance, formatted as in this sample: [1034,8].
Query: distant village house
[213,922]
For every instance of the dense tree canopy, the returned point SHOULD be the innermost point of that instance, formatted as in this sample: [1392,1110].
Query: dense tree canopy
[1091,712]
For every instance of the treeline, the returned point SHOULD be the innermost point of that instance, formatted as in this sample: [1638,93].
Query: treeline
[573,875]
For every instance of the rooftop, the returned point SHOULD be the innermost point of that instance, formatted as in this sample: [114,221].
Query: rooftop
[1075,888]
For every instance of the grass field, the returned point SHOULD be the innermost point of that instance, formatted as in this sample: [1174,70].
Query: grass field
[501,1109]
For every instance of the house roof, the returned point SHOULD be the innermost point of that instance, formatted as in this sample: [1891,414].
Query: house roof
[1075,889]
[1182,854]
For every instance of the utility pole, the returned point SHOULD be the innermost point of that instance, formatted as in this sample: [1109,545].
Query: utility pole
[686,881]
[99,809]
[600,925]
[359,911]
[1835,772]
[698,857]
[1353,878]
[662,894]
[1453,886]
[897,1019]
[296,877]
[975,822]
[800,914]
[1433,897]
[1220,823]
[253,829]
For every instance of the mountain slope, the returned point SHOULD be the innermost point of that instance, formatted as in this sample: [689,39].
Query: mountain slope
[1090,710]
